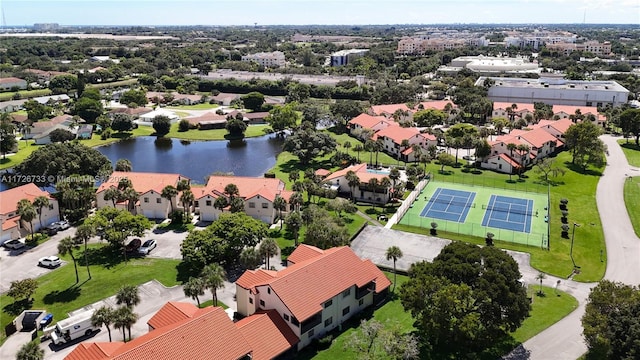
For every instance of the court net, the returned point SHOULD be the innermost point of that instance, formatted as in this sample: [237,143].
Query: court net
[507,209]
[451,202]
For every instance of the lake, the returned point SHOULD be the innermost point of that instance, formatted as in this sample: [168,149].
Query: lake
[197,159]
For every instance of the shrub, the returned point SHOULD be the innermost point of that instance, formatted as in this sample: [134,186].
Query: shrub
[489,239]
[177,217]
[184,125]
[106,134]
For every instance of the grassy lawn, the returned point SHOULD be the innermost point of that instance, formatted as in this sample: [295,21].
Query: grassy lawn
[24,94]
[210,303]
[115,84]
[631,151]
[631,201]
[204,106]
[545,311]
[216,134]
[59,294]
[25,148]
[96,140]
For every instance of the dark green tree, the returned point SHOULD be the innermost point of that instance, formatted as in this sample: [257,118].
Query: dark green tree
[61,135]
[630,123]
[282,118]
[162,125]
[122,122]
[308,143]
[134,97]
[236,127]
[253,101]
[584,144]
[30,351]
[87,108]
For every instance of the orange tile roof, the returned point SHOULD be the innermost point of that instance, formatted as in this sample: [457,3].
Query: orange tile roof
[319,279]
[561,125]
[10,223]
[438,105]
[509,160]
[322,172]
[267,334]
[142,182]
[360,170]
[368,122]
[303,253]
[397,134]
[131,111]
[9,198]
[172,312]
[8,80]
[208,335]
[388,109]
[537,137]
[570,109]
[247,186]
[520,106]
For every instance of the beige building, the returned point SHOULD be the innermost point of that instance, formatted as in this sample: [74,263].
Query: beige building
[266,59]
[12,226]
[363,192]
[595,47]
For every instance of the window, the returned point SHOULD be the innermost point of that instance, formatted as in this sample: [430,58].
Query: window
[252,205]
[328,321]
[208,202]
[196,203]
[159,201]
[261,302]
[345,311]
[311,332]
[50,206]
[146,199]
[250,300]
[265,205]
[346,293]
[360,302]
[286,317]
[295,321]
[328,303]
[268,290]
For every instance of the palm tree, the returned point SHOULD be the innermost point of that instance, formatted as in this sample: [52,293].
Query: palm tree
[103,316]
[66,246]
[385,183]
[128,295]
[187,199]
[358,148]
[353,181]
[404,145]
[123,165]
[85,232]
[378,146]
[236,205]
[124,318]
[511,147]
[124,183]
[294,176]
[183,185]
[524,152]
[213,276]
[112,194]
[370,146]
[296,200]
[346,145]
[27,213]
[541,276]
[220,203]
[40,203]
[30,351]
[394,176]
[169,192]
[294,223]
[194,288]
[394,253]
[268,248]
[231,190]
[131,196]
[280,204]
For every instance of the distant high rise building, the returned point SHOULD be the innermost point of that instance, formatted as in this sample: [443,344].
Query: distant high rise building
[46,26]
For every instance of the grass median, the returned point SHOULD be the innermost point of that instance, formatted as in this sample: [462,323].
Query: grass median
[631,151]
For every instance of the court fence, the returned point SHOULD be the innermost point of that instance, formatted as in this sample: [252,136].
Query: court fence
[487,182]
[530,239]
[408,202]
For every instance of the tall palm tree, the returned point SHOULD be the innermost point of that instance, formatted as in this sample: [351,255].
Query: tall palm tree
[40,203]
[358,148]
[294,223]
[128,295]
[541,276]
[183,185]
[187,199]
[169,192]
[370,146]
[124,183]
[85,232]
[124,318]
[524,152]
[353,181]
[112,194]
[404,145]
[231,190]
[194,288]
[280,204]
[378,146]
[296,200]
[346,145]
[294,176]
[213,276]
[236,205]
[103,316]
[394,253]
[27,213]
[66,246]
[385,183]
[268,248]
[511,147]
[394,176]
[30,351]
[131,196]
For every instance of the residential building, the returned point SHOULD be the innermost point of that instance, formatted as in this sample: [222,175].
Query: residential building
[225,99]
[364,192]
[393,136]
[46,26]
[9,83]
[39,130]
[12,226]
[537,39]
[556,128]
[595,47]
[258,195]
[556,91]
[52,99]
[389,110]
[133,112]
[439,41]
[504,110]
[147,118]
[266,59]
[579,112]
[368,122]
[45,75]
[344,57]
[149,187]
[316,293]
[11,105]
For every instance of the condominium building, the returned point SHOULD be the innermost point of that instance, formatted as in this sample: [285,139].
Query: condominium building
[344,57]
[266,59]
[537,39]
[594,47]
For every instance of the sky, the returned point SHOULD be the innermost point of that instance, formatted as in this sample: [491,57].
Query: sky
[318,12]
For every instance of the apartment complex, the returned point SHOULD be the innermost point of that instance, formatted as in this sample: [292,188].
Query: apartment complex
[537,39]
[595,47]
[344,57]
[12,226]
[266,59]
[439,40]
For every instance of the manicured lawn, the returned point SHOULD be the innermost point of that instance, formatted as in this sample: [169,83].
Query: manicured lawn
[204,106]
[631,201]
[631,151]
[57,292]
[24,94]
[216,134]
[25,148]
[115,83]
[96,140]
[210,303]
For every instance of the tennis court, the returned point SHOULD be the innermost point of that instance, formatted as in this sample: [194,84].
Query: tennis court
[449,204]
[509,213]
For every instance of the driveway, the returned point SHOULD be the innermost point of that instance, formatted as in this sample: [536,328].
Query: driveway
[23,264]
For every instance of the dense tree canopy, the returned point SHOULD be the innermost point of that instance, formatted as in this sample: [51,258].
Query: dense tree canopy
[630,123]
[61,135]
[429,117]
[122,122]
[308,143]
[134,98]
[162,125]
[467,299]
[584,144]
[283,117]
[253,101]
[87,108]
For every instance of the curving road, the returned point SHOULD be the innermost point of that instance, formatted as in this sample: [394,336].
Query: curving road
[563,340]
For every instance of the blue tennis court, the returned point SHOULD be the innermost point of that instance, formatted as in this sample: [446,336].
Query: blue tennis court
[508,213]
[448,204]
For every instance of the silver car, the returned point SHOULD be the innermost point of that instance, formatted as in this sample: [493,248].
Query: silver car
[147,247]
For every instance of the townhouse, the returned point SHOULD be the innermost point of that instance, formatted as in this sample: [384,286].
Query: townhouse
[149,187]
[12,226]
[363,192]
[40,130]
[505,110]
[392,138]
[575,112]
[316,293]
[9,83]
[369,122]
[258,194]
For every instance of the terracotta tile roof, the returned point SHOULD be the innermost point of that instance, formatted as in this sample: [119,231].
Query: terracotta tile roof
[44,73]
[388,109]
[397,134]
[267,334]
[303,253]
[561,125]
[208,335]
[209,116]
[10,223]
[521,106]
[177,96]
[247,186]
[368,122]
[256,115]
[11,197]
[570,109]
[537,137]
[251,277]
[142,182]
[438,105]
[509,160]
[322,172]
[19,118]
[172,312]
[8,80]
[356,168]
[319,279]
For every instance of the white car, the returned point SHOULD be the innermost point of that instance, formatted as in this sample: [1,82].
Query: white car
[50,262]
[61,225]
[147,247]
[15,244]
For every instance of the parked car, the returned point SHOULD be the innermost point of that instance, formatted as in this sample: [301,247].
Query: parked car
[133,245]
[52,229]
[62,225]
[46,320]
[50,261]
[15,244]
[147,247]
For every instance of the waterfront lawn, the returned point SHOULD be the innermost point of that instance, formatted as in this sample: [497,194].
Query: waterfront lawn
[631,151]
[203,106]
[96,140]
[631,201]
[215,134]
[58,293]
[24,94]
[25,148]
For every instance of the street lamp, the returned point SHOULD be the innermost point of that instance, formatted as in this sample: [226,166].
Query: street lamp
[573,234]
